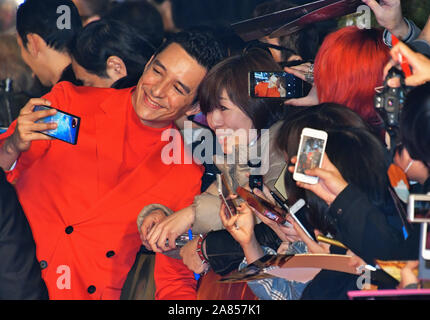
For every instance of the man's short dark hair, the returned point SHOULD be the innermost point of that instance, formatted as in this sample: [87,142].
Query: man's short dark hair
[104,38]
[40,17]
[142,16]
[201,45]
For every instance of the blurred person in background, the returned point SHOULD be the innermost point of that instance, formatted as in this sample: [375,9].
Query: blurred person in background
[44,46]
[300,45]
[17,85]
[108,53]
[140,15]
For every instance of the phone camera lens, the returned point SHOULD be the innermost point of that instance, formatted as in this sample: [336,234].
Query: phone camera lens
[74,122]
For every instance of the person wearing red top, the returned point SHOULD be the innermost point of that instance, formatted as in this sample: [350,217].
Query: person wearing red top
[82,200]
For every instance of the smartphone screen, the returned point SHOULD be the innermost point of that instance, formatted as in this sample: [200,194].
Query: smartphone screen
[68,125]
[310,153]
[274,84]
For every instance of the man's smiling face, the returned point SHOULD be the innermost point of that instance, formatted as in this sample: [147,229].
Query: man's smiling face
[167,87]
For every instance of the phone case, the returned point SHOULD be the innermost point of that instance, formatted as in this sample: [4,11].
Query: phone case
[68,125]
[262,206]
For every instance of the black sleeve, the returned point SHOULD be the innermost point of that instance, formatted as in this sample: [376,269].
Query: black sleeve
[366,230]
[20,275]
[225,254]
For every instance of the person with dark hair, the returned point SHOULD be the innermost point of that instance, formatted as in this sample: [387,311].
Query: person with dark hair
[44,35]
[91,10]
[16,81]
[20,277]
[84,221]
[368,224]
[355,48]
[109,53]
[415,128]
[140,15]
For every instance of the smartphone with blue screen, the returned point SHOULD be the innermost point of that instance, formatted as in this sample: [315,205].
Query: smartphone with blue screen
[67,125]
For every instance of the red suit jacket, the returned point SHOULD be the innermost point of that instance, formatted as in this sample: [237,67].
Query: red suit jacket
[82,213]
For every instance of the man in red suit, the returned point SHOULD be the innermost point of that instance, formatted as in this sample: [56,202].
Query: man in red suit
[82,200]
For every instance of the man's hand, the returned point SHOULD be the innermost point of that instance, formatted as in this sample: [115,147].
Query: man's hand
[148,223]
[170,229]
[388,13]
[26,131]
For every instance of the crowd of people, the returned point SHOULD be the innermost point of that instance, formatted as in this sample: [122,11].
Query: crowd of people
[101,219]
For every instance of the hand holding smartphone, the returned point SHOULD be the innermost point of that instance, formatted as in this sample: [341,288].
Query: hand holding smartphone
[298,213]
[67,125]
[274,84]
[310,154]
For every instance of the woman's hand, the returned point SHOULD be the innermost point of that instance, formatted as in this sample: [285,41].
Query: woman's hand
[301,71]
[191,258]
[408,274]
[241,225]
[356,262]
[310,100]
[313,246]
[330,183]
[419,63]
[286,234]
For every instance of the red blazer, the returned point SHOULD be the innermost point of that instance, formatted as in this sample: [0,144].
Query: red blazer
[83,217]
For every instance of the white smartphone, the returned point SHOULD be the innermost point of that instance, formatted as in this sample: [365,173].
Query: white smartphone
[419,208]
[310,154]
[425,242]
[299,216]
